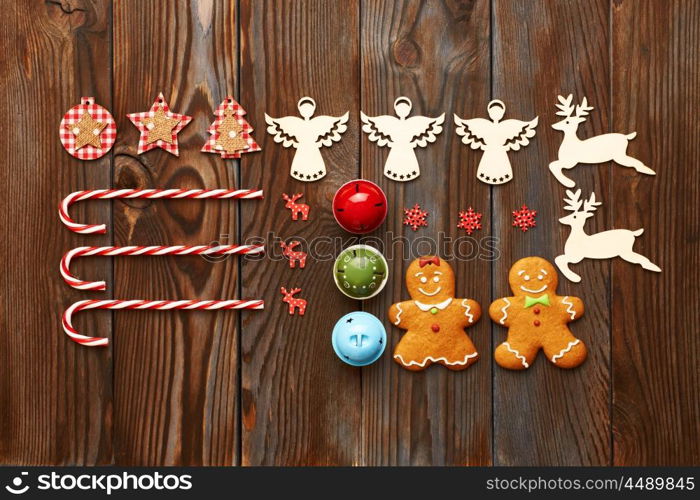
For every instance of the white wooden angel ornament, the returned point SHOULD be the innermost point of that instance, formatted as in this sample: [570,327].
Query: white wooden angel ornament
[495,138]
[402,135]
[599,149]
[603,245]
[307,135]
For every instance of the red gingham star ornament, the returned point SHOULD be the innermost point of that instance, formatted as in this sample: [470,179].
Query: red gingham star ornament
[524,218]
[230,132]
[88,130]
[159,127]
[415,217]
[469,220]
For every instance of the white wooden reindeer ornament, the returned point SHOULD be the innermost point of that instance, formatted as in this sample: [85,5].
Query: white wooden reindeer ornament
[495,138]
[599,149]
[307,135]
[402,135]
[603,245]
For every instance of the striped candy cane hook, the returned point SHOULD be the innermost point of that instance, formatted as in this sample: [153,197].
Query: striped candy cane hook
[150,194]
[159,305]
[151,250]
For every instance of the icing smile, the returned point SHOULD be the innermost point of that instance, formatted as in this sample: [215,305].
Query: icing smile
[544,287]
[431,294]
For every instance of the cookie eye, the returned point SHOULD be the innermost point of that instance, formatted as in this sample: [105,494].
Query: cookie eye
[526,277]
[423,279]
[436,279]
[540,277]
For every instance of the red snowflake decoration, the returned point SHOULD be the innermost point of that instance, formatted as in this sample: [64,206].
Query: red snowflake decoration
[470,220]
[415,217]
[524,218]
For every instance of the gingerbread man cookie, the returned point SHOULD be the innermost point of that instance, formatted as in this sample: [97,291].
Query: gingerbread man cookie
[537,318]
[434,319]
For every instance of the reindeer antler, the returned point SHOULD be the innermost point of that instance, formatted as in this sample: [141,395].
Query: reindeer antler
[294,291]
[583,108]
[296,196]
[284,292]
[565,106]
[590,204]
[573,200]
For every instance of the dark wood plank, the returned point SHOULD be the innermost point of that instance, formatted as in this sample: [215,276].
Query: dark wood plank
[436,417]
[56,395]
[175,373]
[656,349]
[300,404]
[548,416]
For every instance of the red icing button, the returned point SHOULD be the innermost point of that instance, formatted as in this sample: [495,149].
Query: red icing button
[536,310]
[537,322]
[435,327]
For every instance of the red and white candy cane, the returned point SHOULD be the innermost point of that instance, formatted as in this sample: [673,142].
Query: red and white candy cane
[159,305]
[149,194]
[150,250]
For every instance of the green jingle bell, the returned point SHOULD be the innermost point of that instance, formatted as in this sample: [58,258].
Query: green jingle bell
[360,272]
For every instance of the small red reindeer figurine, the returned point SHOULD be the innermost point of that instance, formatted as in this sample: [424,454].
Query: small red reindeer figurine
[293,303]
[296,208]
[293,256]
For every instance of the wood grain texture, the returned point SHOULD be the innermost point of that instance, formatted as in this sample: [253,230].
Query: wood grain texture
[176,388]
[300,405]
[55,395]
[264,388]
[656,349]
[436,417]
[549,416]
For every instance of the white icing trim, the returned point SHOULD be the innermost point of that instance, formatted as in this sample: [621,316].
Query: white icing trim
[569,309]
[503,310]
[564,351]
[398,316]
[533,291]
[467,357]
[440,305]
[517,354]
[467,307]
[430,294]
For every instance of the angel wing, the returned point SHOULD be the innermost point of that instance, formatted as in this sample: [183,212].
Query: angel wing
[424,129]
[286,130]
[328,129]
[474,132]
[517,133]
[379,128]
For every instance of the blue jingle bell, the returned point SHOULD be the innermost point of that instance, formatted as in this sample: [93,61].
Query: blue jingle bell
[359,338]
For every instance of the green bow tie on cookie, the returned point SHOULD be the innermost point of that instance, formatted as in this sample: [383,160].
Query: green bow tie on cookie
[542,299]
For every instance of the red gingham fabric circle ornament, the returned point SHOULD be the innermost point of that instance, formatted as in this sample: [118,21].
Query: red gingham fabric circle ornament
[88,130]
[213,145]
[159,127]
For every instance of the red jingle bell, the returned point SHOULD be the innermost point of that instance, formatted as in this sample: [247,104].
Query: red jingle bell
[359,206]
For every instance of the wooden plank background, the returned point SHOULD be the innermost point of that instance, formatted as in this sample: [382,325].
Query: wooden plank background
[264,388]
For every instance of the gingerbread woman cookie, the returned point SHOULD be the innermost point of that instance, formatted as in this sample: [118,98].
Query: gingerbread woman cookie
[537,318]
[434,319]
